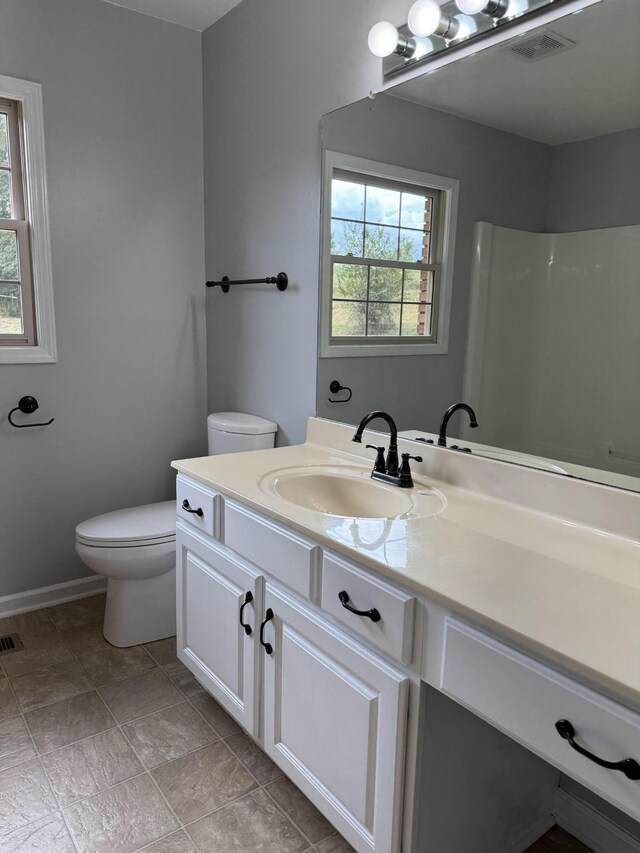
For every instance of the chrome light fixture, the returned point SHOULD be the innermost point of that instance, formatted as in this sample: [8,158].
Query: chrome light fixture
[435,27]
[426,18]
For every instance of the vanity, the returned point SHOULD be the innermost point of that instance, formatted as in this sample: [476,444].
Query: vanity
[435,667]
[365,635]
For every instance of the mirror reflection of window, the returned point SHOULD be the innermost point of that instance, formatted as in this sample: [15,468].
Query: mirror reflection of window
[382,279]
[388,238]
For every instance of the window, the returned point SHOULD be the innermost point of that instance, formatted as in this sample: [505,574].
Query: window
[26,305]
[17,321]
[387,237]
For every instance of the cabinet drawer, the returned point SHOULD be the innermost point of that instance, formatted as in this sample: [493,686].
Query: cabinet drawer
[283,554]
[202,499]
[526,699]
[393,632]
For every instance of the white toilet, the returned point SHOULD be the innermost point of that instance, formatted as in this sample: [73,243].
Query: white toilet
[135,548]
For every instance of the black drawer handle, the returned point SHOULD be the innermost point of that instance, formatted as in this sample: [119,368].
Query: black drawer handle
[268,616]
[628,766]
[247,600]
[187,508]
[372,614]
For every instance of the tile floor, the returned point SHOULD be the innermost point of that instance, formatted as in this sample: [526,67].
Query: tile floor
[558,841]
[120,750]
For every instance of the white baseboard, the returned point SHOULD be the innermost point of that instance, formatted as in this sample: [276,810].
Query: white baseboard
[46,596]
[531,835]
[591,827]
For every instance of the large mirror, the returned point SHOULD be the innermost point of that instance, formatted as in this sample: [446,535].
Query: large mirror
[484,219]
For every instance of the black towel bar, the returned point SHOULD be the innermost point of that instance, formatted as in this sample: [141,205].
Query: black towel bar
[281,281]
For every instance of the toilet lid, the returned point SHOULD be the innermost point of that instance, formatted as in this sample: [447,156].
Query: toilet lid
[241,424]
[134,526]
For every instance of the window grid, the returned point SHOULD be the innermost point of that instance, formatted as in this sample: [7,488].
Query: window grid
[425,307]
[402,302]
[430,305]
[398,228]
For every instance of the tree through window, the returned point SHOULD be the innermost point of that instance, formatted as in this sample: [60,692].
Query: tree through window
[383,280]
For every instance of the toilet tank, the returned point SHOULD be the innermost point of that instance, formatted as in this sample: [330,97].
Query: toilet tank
[232,432]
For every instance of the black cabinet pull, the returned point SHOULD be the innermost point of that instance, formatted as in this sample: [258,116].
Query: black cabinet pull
[628,766]
[268,616]
[247,600]
[372,614]
[187,508]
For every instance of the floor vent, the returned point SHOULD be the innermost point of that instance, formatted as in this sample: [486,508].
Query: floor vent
[540,46]
[10,643]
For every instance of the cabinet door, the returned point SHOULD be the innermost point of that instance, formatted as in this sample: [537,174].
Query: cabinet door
[335,722]
[212,587]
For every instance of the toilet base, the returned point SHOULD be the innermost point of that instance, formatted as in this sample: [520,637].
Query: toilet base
[140,611]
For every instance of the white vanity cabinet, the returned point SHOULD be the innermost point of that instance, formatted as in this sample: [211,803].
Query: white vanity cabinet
[330,710]
[422,708]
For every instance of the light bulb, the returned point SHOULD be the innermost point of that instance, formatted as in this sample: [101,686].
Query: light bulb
[467,26]
[517,7]
[494,8]
[383,39]
[424,18]
[471,7]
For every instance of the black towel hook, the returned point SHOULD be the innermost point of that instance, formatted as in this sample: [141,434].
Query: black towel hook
[335,387]
[27,406]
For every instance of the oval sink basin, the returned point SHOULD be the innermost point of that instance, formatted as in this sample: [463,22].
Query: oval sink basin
[347,491]
[342,494]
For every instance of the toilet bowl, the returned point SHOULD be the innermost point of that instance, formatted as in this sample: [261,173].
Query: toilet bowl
[135,548]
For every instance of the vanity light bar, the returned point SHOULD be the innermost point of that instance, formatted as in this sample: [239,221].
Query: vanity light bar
[433,28]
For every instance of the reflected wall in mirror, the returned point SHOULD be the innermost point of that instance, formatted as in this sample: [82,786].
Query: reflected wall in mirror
[544,328]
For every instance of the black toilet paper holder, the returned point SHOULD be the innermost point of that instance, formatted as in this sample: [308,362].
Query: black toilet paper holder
[27,405]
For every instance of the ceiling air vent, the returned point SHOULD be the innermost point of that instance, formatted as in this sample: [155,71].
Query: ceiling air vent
[540,46]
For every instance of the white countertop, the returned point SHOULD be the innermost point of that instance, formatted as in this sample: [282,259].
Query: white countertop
[558,588]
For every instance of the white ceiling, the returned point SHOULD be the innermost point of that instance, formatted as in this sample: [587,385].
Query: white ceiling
[587,91]
[195,14]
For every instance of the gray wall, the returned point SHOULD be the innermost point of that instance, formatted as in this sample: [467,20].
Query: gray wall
[503,179]
[123,125]
[271,70]
[595,183]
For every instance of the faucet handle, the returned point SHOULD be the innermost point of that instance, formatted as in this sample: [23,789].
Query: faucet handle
[405,480]
[380,465]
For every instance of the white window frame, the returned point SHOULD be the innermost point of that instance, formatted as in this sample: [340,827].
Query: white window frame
[36,216]
[448,187]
